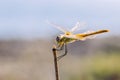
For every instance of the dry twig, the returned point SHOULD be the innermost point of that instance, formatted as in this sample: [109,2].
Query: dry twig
[55,63]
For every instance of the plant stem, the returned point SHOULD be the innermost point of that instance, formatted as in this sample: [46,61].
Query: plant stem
[55,63]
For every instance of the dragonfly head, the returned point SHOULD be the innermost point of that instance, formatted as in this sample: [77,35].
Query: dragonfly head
[58,38]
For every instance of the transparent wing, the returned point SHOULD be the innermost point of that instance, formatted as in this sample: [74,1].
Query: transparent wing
[58,27]
[78,26]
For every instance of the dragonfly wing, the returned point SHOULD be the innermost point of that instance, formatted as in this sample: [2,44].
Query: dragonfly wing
[58,27]
[77,26]
[89,35]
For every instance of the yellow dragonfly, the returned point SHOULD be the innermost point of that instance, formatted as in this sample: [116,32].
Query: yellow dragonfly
[69,36]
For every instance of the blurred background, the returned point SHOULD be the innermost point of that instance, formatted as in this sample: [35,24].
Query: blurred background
[26,39]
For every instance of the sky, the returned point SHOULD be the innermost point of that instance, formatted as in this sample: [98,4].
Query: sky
[28,18]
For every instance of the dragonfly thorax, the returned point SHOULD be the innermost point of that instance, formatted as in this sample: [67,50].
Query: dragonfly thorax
[68,33]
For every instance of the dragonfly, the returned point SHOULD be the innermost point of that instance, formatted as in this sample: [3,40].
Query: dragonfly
[69,36]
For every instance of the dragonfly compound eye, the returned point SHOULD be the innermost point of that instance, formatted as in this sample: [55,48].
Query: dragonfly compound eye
[57,38]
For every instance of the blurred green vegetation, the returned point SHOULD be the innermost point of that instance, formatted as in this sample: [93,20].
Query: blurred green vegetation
[97,67]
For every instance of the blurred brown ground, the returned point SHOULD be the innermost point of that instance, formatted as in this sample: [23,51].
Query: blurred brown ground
[33,60]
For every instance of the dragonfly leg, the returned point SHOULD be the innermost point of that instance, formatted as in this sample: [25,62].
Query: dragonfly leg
[59,57]
[60,48]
